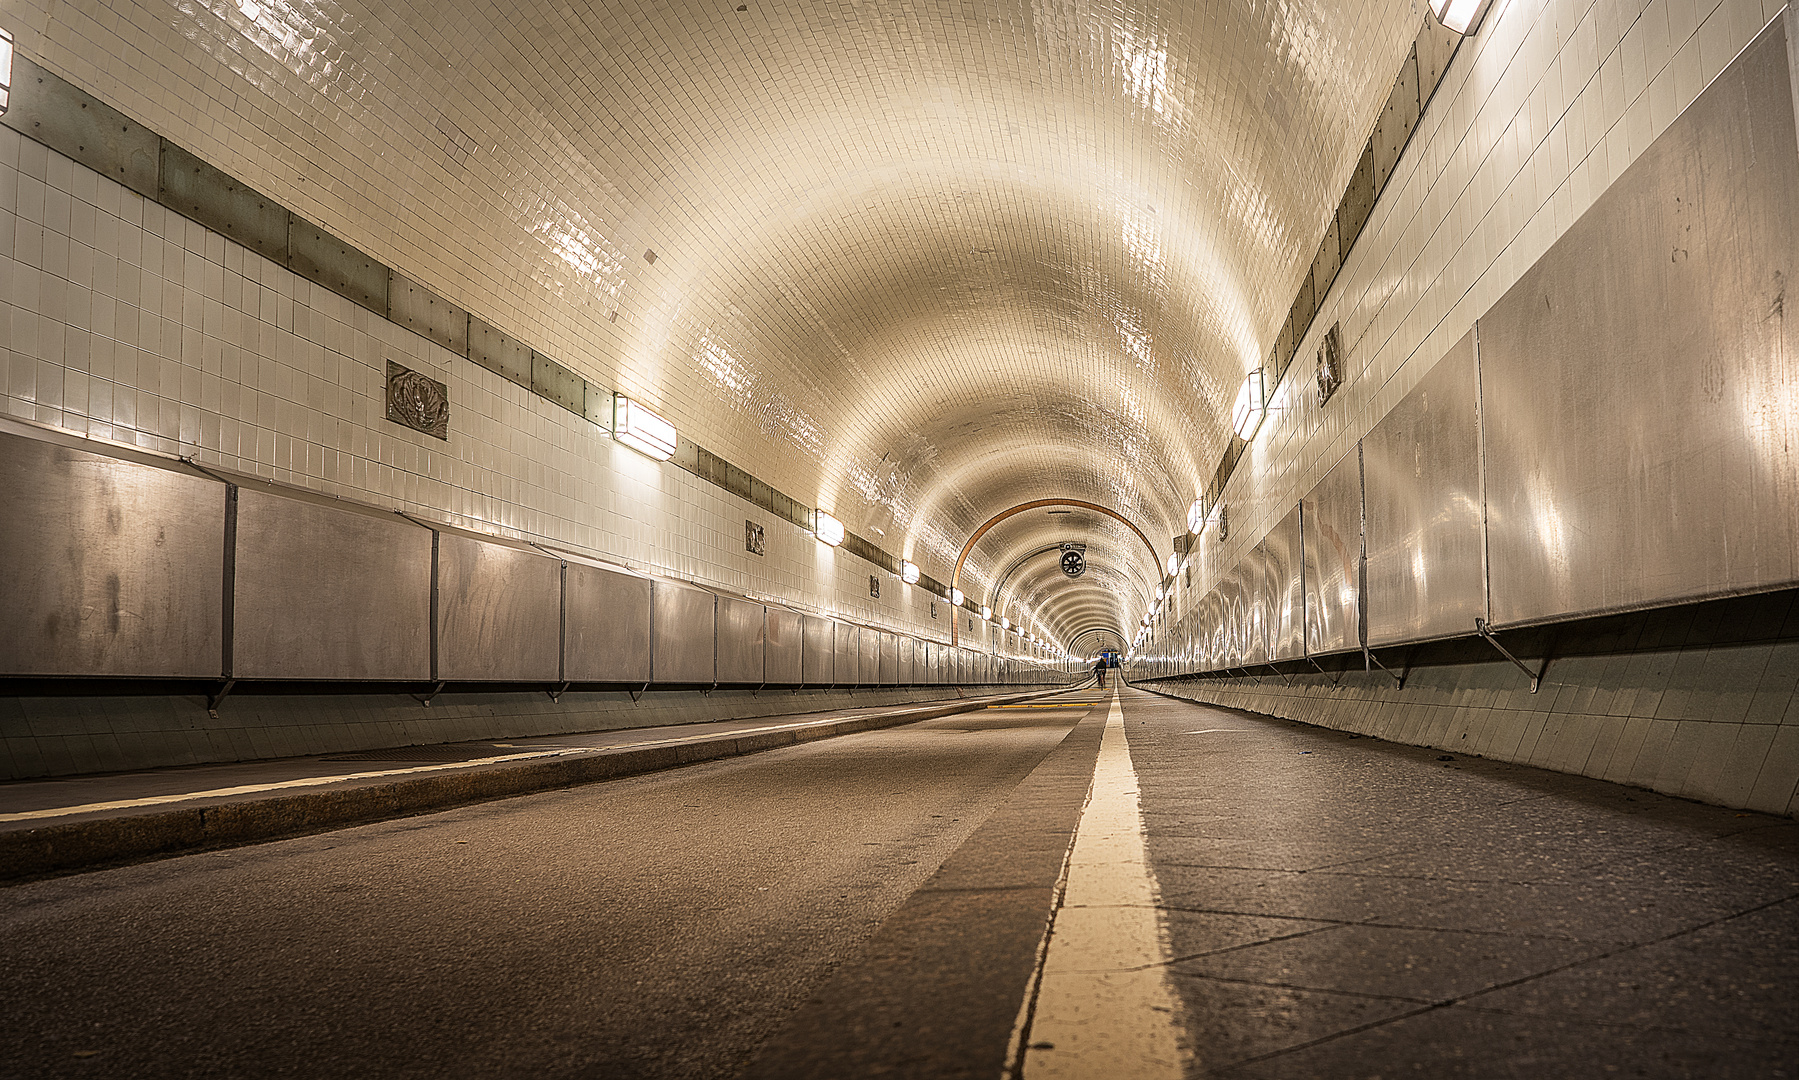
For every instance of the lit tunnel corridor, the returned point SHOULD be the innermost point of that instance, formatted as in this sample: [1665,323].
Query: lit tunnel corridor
[765,539]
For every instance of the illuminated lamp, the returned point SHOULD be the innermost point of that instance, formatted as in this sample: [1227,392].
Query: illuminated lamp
[641,429]
[1196,516]
[1460,16]
[908,572]
[1005,624]
[1174,563]
[956,597]
[5,69]
[1246,415]
[828,529]
[986,613]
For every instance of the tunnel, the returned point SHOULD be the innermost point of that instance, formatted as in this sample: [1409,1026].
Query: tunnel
[913,538]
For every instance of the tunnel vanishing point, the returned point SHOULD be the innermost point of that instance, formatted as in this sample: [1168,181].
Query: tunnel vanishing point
[560,379]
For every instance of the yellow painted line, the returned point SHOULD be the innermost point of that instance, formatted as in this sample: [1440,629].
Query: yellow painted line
[1104,1004]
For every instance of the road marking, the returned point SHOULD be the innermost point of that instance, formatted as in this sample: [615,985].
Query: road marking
[320,781]
[1208,731]
[1104,1004]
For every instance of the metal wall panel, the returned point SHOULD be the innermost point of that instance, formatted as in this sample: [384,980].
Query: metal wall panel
[848,656]
[112,567]
[606,636]
[1286,584]
[427,314]
[499,611]
[499,353]
[223,203]
[784,647]
[742,641]
[329,590]
[78,125]
[908,662]
[1421,483]
[1639,382]
[683,634]
[889,659]
[1331,532]
[818,651]
[1253,576]
[868,660]
[319,256]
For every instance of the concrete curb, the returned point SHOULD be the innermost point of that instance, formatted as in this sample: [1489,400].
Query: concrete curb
[88,845]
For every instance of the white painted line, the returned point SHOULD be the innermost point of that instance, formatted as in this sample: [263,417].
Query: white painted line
[320,781]
[1208,731]
[1105,1007]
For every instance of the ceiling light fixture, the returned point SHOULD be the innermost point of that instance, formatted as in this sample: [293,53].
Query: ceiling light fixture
[1461,16]
[641,429]
[1246,415]
[828,529]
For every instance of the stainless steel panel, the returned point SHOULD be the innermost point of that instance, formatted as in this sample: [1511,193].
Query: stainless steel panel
[223,203]
[78,125]
[848,657]
[499,611]
[607,633]
[1252,577]
[908,661]
[742,641]
[868,665]
[1421,483]
[558,384]
[1331,530]
[499,353]
[427,314]
[1214,631]
[818,648]
[329,590]
[112,567]
[1287,614]
[683,634]
[890,659]
[785,646]
[1640,383]
[316,254]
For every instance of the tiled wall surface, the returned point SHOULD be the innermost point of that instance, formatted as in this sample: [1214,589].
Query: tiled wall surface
[127,322]
[1538,114]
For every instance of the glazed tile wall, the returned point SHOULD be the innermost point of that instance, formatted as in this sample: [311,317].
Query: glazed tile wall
[127,322]
[1538,114]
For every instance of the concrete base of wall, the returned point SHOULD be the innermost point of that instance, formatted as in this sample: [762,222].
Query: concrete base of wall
[1717,723]
[70,735]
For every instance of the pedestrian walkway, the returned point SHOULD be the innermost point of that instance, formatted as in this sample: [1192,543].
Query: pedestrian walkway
[70,822]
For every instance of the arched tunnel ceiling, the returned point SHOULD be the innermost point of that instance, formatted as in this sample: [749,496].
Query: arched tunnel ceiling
[915,260]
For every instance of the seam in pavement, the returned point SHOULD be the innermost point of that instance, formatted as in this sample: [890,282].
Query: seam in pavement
[97,843]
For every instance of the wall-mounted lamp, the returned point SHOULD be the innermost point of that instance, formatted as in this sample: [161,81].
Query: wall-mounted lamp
[908,572]
[1005,624]
[986,613]
[1196,516]
[1461,16]
[956,596]
[5,70]
[1246,415]
[641,429]
[828,529]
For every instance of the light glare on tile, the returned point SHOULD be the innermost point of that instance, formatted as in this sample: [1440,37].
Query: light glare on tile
[641,429]
[251,10]
[829,529]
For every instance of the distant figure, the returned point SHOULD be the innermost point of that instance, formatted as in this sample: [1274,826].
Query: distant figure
[1099,672]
